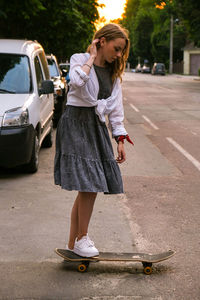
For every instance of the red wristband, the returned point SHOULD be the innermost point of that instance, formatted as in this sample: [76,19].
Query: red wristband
[121,138]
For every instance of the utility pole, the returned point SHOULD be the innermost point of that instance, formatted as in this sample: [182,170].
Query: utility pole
[171,46]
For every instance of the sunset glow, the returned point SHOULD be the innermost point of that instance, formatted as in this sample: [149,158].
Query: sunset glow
[161,6]
[113,9]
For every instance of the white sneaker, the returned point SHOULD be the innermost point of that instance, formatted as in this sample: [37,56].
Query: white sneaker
[85,247]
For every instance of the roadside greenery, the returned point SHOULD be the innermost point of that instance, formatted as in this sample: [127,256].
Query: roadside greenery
[63,27]
[148,22]
[188,11]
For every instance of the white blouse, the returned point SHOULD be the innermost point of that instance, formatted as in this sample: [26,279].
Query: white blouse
[84,91]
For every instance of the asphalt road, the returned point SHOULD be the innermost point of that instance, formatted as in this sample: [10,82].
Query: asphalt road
[159,210]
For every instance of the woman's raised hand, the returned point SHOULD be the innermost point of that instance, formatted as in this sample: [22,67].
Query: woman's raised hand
[93,48]
[93,53]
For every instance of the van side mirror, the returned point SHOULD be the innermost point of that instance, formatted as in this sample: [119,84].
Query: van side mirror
[47,87]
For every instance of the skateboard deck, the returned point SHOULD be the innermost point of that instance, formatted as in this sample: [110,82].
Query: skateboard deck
[146,259]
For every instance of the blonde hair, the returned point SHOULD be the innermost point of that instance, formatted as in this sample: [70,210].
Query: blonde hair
[110,32]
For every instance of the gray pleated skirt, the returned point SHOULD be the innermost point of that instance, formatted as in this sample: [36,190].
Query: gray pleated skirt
[84,159]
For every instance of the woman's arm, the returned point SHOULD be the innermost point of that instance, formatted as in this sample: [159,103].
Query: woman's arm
[116,125]
[80,66]
[116,115]
[93,53]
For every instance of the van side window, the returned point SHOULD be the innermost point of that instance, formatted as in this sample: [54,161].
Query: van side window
[44,65]
[39,75]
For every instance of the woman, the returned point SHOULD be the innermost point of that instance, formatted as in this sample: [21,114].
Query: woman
[84,158]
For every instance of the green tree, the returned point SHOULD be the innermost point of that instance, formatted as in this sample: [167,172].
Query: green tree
[149,29]
[141,39]
[188,12]
[161,34]
[127,21]
[15,17]
[62,27]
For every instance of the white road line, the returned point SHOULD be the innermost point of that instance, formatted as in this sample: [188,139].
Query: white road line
[151,123]
[135,108]
[193,160]
[194,133]
[144,117]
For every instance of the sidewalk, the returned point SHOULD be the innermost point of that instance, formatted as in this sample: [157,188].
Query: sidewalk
[192,77]
[130,75]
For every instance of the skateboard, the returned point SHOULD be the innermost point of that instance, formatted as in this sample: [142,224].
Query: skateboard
[146,259]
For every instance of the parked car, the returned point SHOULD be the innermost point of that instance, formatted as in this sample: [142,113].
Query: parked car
[65,70]
[158,68]
[26,103]
[138,68]
[60,88]
[145,68]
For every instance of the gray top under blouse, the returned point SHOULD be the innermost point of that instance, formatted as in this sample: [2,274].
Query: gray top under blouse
[105,82]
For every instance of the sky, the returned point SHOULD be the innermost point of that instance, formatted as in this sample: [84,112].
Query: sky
[113,9]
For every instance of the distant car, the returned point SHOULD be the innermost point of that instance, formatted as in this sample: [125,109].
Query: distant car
[145,69]
[65,70]
[158,68]
[60,88]
[138,68]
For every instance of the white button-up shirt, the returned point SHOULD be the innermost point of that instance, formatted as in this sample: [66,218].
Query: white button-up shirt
[84,92]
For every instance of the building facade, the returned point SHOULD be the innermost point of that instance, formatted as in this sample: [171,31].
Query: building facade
[191,59]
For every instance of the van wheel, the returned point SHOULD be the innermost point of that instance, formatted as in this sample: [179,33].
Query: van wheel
[32,166]
[48,140]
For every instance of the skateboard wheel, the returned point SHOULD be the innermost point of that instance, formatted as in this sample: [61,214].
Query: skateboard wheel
[148,270]
[82,268]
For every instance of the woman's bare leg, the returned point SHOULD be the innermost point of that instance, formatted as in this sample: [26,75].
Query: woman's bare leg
[80,216]
[85,208]
[74,224]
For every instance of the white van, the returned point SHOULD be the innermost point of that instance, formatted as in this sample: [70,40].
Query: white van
[26,103]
